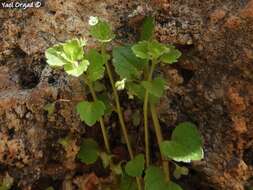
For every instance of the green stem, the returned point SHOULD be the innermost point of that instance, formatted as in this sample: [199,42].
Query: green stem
[101,121]
[145,116]
[118,108]
[120,115]
[157,126]
[159,137]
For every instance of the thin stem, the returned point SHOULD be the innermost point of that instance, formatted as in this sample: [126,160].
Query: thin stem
[120,115]
[145,116]
[101,121]
[118,108]
[157,126]
[159,137]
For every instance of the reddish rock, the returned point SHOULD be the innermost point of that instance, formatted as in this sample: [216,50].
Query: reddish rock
[237,103]
[239,124]
[233,22]
[217,15]
[247,12]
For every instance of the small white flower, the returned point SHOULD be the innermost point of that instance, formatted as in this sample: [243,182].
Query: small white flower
[120,85]
[93,20]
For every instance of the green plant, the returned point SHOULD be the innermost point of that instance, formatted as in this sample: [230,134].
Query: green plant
[71,57]
[6,183]
[135,67]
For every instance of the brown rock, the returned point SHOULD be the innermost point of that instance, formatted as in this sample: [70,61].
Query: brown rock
[233,22]
[247,12]
[237,103]
[217,15]
[239,124]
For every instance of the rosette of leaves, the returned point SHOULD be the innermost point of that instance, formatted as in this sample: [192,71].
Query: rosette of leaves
[130,64]
[70,56]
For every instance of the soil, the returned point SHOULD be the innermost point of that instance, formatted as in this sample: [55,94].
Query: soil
[212,86]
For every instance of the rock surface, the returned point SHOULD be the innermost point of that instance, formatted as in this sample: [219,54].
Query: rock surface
[212,85]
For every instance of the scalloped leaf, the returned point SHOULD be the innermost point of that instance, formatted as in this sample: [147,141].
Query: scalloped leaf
[155,87]
[136,90]
[155,180]
[185,144]
[127,182]
[76,69]
[126,64]
[96,68]
[141,50]
[55,56]
[73,49]
[172,56]
[102,31]
[150,50]
[90,112]
[89,151]
[135,166]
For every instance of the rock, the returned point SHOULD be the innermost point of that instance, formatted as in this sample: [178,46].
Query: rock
[217,15]
[247,11]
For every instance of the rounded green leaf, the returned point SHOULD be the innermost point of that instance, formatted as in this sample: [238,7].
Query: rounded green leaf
[155,87]
[90,112]
[105,98]
[141,50]
[89,151]
[153,177]
[96,68]
[127,182]
[156,49]
[102,31]
[55,56]
[172,56]
[185,144]
[126,64]
[73,49]
[154,180]
[136,90]
[76,69]
[135,166]
[151,50]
